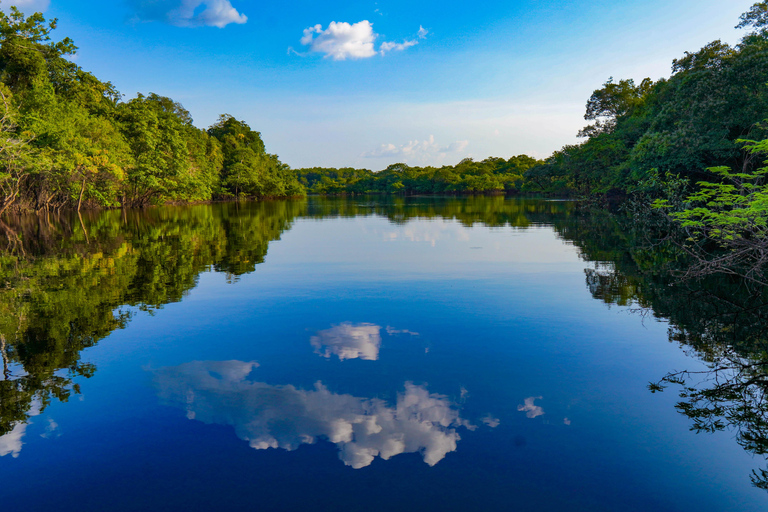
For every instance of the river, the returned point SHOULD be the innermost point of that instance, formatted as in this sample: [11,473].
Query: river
[370,353]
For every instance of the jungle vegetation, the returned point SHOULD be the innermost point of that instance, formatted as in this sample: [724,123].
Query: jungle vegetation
[69,140]
[642,137]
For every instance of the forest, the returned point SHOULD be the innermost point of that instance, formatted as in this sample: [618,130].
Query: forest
[654,138]
[68,140]
[71,141]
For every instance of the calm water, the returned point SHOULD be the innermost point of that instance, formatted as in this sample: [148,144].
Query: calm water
[479,354]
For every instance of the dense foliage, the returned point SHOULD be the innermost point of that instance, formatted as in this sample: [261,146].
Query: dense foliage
[68,139]
[677,127]
[490,176]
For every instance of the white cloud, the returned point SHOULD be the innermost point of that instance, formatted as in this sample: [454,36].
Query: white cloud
[531,410]
[348,341]
[491,421]
[388,46]
[286,417]
[341,40]
[188,13]
[417,151]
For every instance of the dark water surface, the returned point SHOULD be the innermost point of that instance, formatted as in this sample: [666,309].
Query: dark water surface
[420,354]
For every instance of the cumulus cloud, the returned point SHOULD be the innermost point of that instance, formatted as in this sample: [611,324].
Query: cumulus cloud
[349,341]
[342,40]
[26,6]
[491,421]
[188,13]
[417,149]
[531,410]
[287,417]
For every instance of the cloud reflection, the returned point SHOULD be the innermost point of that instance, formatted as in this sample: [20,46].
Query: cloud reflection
[392,331]
[531,410]
[10,443]
[286,417]
[349,341]
[430,232]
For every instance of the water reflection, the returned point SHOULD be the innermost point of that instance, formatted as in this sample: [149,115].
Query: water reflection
[68,282]
[67,285]
[349,341]
[12,441]
[431,233]
[719,319]
[286,417]
[530,409]
[392,331]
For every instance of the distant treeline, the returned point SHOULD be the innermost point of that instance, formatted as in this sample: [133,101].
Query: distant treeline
[642,137]
[492,175]
[68,140]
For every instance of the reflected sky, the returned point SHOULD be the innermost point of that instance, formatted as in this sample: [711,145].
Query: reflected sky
[354,333]
[287,417]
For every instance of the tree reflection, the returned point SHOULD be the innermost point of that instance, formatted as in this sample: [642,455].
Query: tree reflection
[68,282]
[730,395]
[718,319]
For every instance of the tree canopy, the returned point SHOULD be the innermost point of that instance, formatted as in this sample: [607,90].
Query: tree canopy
[69,140]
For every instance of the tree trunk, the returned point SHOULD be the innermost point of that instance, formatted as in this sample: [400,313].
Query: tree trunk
[6,372]
[80,199]
[82,225]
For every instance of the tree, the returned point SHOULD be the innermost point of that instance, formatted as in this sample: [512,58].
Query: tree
[15,152]
[614,100]
[728,221]
[247,167]
[757,18]
[155,129]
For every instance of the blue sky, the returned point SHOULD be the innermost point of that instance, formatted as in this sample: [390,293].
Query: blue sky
[370,83]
